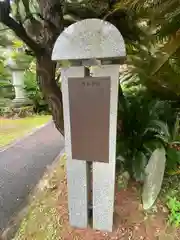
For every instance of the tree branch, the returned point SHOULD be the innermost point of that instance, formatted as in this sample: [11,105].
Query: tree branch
[31,17]
[21,33]
[17,28]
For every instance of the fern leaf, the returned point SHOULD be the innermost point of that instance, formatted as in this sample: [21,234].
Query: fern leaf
[163,138]
[160,127]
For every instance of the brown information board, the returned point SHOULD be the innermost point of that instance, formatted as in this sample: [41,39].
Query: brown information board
[89,100]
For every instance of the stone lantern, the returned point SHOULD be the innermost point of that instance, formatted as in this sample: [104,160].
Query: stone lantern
[17,69]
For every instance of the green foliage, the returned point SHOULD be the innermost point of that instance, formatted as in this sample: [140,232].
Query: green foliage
[6,36]
[6,89]
[173,147]
[174,208]
[21,59]
[4,72]
[34,93]
[20,112]
[170,187]
[154,60]
[137,131]
[122,180]
[6,95]
[145,127]
[173,159]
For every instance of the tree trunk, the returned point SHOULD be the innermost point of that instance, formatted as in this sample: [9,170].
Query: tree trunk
[46,78]
[52,25]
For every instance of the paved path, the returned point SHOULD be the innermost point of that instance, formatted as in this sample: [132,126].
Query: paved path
[22,165]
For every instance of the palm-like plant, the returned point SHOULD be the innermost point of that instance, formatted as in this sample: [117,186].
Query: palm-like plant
[154,61]
[172,141]
[144,130]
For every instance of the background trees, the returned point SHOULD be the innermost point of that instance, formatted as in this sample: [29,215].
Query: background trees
[150,30]
[39,23]
[149,102]
[154,62]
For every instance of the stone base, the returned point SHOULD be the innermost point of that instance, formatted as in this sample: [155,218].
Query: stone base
[20,102]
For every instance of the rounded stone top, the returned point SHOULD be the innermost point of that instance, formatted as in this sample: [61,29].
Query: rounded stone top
[89,39]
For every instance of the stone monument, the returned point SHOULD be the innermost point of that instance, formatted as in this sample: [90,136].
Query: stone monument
[17,69]
[90,52]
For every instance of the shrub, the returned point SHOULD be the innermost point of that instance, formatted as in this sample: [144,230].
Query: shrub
[34,93]
[147,124]
[21,112]
[174,208]
[6,95]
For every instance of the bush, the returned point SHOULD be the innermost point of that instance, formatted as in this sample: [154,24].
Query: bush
[146,124]
[34,93]
[6,89]
[2,111]
[21,112]
[6,95]
[174,208]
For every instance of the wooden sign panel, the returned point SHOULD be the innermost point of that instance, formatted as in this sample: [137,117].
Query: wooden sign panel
[89,100]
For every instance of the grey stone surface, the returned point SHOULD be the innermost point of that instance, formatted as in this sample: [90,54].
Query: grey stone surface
[89,39]
[20,93]
[76,169]
[154,177]
[104,173]
[22,166]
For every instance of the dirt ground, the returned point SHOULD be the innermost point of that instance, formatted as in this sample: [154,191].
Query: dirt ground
[47,215]
[130,221]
